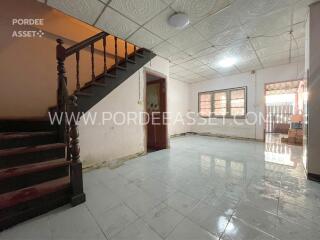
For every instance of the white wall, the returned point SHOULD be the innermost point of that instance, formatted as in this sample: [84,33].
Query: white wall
[255,84]
[109,141]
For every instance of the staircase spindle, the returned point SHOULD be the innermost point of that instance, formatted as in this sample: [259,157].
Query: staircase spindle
[116,51]
[134,49]
[104,56]
[92,62]
[126,50]
[77,68]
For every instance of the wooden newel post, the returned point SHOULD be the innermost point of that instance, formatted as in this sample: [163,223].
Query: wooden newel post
[77,194]
[62,82]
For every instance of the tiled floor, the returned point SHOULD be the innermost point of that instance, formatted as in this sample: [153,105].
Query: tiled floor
[202,188]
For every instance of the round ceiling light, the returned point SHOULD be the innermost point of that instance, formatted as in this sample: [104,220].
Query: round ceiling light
[179,20]
[227,62]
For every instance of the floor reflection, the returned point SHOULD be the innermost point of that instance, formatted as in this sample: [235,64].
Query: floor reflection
[279,153]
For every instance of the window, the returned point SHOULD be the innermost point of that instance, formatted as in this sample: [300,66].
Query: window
[223,103]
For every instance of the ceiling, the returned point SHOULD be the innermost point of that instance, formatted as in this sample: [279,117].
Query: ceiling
[254,32]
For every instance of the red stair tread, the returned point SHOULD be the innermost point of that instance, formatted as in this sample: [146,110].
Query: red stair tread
[15,135]
[30,149]
[31,168]
[26,194]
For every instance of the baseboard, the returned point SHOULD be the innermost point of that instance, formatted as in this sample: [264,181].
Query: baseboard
[313,177]
[225,136]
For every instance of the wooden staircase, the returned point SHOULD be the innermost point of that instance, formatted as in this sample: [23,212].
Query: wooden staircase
[40,167]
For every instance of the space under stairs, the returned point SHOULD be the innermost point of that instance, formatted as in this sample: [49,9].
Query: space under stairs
[40,167]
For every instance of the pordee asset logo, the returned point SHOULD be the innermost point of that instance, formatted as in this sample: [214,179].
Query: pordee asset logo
[27,22]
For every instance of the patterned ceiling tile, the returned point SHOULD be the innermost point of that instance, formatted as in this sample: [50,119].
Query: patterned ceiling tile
[217,23]
[229,37]
[202,69]
[198,48]
[227,71]
[192,64]
[197,10]
[297,52]
[276,59]
[299,30]
[272,24]
[165,49]
[249,10]
[115,24]
[247,66]
[87,11]
[180,58]
[176,69]
[186,38]
[242,51]
[159,25]
[263,42]
[139,11]
[144,38]
[283,47]
[197,79]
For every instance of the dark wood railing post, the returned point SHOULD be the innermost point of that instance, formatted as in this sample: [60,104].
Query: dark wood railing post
[77,69]
[92,62]
[126,50]
[77,194]
[116,51]
[62,82]
[104,55]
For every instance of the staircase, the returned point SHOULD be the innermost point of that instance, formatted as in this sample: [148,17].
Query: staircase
[40,167]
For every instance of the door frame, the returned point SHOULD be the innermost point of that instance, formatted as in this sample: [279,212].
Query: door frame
[161,77]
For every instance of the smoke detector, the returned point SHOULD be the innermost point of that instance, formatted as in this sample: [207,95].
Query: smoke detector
[179,20]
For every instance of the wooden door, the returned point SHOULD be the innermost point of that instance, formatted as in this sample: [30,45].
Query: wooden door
[156,107]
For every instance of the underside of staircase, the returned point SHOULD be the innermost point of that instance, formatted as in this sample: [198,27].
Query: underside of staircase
[40,166]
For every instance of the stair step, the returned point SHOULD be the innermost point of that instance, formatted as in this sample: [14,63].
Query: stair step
[19,139]
[110,75]
[78,93]
[30,154]
[121,68]
[99,84]
[139,54]
[13,198]
[31,168]
[131,61]
[26,125]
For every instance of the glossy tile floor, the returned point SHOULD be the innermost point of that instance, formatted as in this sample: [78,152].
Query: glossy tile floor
[202,188]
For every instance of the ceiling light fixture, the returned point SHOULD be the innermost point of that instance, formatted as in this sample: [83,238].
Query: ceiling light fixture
[179,20]
[227,62]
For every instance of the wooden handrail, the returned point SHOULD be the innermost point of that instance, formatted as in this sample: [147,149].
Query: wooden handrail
[85,43]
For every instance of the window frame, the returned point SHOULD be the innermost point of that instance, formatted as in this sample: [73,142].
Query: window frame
[228,103]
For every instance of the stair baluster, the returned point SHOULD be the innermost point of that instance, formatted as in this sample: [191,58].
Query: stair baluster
[104,56]
[116,51]
[92,62]
[77,68]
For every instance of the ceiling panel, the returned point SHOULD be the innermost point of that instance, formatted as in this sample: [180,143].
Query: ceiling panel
[246,66]
[180,57]
[176,69]
[276,59]
[139,11]
[144,38]
[165,49]
[159,25]
[229,37]
[249,10]
[283,47]
[114,23]
[264,42]
[87,11]
[272,24]
[196,10]
[217,23]
[227,71]
[186,38]
[191,64]
[242,51]
[197,49]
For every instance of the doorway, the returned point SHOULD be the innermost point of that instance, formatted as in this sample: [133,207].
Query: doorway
[284,112]
[156,107]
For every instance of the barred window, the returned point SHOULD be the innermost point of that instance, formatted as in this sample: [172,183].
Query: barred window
[223,103]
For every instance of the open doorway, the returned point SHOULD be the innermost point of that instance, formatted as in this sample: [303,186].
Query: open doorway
[156,107]
[284,112]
